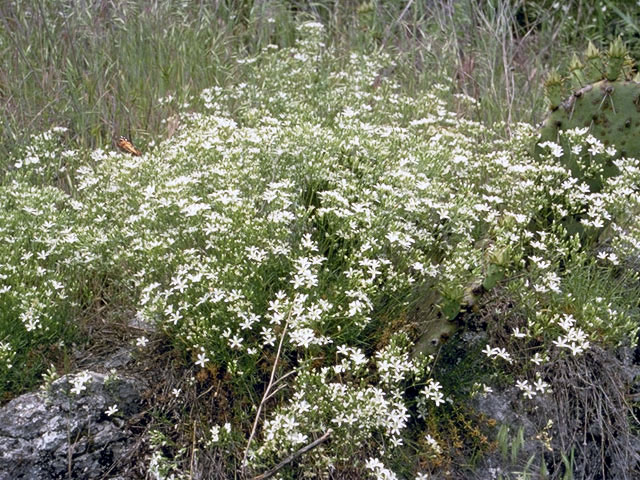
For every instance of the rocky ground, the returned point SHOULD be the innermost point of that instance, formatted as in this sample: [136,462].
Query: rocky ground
[69,429]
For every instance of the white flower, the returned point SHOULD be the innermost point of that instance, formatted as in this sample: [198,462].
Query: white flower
[540,385]
[379,470]
[435,446]
[215,433]
[537,358]
[302,337]
[518,334]
[396,441]
[111,410]
[297,438]
[526,389]
[497,352]
[556,150]
[80,383]
[202,359]
[358,358]
[268,337]
[255,254]
[236,342]
[142,341]
[432,392]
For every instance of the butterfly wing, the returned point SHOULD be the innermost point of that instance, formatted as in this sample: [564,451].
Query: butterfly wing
[125,145]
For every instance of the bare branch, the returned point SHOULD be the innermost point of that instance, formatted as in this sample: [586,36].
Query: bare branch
[293,456]
[267,391]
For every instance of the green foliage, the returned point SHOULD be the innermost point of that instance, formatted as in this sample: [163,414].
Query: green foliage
[40,277]
[579,19]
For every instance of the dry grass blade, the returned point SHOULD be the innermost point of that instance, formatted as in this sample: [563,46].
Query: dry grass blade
[591,415]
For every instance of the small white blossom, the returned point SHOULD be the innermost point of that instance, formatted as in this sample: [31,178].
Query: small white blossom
[202,359]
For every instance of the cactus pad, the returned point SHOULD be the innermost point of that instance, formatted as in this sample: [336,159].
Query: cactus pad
[605,100]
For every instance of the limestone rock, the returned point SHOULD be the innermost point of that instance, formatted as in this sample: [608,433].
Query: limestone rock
[66,432]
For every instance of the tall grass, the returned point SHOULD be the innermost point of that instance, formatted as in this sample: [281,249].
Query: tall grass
[107,68]
[101,68]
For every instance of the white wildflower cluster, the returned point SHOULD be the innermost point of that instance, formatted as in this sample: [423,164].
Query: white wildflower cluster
[433,391]
[575,339]
[352,360]
[430,397]
[7,354]
[554,148]
[46,253]
[301,214]
[49,377]
[40,157]
[36,238]
[480,389]
[311,40]
[219,434]
[352,412]
[162,466]
[497,352]
[395,366]
[338,398]
[80,382]
[529,390]
[378,470]
[433,444]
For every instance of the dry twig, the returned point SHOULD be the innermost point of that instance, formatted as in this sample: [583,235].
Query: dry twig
[294,455]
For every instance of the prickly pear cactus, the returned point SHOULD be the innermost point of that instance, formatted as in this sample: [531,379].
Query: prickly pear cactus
[601,95]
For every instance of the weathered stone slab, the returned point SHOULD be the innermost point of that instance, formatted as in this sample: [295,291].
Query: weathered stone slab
[67,431]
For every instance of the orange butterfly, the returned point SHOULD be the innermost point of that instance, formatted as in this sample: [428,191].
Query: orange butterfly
[125,145]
